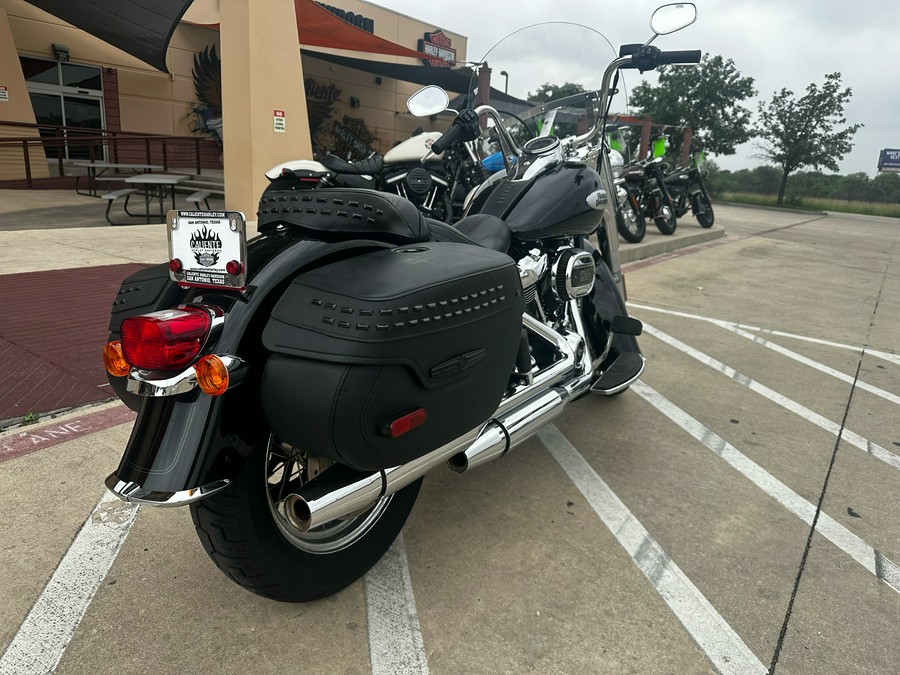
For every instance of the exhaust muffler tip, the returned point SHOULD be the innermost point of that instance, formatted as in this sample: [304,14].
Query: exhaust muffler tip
[297,511]
[458,463]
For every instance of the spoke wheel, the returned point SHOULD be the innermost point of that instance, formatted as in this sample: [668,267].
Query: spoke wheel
[287,469]
[665,220]
[630,222]
[252,542]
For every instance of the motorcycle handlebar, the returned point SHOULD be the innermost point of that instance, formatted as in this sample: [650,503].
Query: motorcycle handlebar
[679,56]
[450,137]
[648,57]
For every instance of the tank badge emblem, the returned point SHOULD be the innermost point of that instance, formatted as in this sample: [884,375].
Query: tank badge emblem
[597,200]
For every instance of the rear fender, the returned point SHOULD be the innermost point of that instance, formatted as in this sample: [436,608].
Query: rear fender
[184,442]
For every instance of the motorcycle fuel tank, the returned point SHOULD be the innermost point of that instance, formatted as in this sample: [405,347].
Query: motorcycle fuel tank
[413,149]
[552,204]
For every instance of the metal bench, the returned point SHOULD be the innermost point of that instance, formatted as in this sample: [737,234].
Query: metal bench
[111,197]
[197,197]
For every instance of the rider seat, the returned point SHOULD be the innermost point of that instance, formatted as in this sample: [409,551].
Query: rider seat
[479,229]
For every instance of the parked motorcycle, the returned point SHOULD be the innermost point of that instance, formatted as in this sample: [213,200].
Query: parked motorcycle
[438,187]
[645,181]
[630,220]
[688,191]
[293,390]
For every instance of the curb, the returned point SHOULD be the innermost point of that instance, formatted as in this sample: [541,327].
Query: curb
[658,245]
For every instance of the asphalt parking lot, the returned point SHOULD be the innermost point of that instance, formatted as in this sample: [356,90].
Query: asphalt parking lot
[736,511]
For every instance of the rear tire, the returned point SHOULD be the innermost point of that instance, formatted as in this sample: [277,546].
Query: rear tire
[252,544]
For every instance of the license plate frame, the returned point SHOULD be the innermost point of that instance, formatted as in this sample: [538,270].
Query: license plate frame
[208,249]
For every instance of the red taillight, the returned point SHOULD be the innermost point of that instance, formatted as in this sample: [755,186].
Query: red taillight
[166,340]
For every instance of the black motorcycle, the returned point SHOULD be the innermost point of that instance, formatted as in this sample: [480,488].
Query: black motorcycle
[293,390]
[645,181]
[688,191]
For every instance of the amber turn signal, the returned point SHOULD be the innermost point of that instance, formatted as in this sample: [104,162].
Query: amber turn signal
[114,360]
[212,375]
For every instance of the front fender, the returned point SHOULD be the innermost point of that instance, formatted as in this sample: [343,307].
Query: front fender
[180,445]
[604,303]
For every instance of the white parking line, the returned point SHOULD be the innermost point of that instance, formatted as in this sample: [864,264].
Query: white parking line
[822,368]
[395,640]
[44,635]
[837,534]
[721,644]
[851,437]
[887,356]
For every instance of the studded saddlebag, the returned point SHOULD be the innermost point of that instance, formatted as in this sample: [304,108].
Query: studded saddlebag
[360,343]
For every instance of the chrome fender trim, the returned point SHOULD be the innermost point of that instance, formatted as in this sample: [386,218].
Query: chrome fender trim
[149,383]
[133,492]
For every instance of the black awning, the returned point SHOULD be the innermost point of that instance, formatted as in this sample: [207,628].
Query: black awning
[141,28]
[450,79]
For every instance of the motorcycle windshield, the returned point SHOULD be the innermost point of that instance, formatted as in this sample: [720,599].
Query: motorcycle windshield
[543,79]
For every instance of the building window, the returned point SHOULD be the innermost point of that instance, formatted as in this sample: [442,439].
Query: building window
[66,95]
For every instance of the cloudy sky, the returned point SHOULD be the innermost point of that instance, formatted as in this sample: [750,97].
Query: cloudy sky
[780,43]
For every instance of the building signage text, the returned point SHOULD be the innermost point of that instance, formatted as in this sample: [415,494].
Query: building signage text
[889,160]
[357,20]
[437,46]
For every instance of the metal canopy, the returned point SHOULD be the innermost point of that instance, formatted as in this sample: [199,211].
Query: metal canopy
[141,28]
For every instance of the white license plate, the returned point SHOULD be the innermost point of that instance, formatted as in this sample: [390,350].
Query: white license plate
[208,249]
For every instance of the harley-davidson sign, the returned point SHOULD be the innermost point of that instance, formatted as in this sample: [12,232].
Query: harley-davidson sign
[437,45]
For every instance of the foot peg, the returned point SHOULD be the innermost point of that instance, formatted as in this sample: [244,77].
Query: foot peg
[625,325]
[627,368]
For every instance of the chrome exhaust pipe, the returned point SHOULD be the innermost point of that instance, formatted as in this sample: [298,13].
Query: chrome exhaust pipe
[499,437]
[340,491]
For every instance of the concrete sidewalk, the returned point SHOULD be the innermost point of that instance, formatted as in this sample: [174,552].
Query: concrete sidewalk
[60,266]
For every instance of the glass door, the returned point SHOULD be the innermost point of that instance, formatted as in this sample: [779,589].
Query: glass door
[66,94]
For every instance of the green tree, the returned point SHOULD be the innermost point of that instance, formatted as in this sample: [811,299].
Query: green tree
[889,184]
[705,98]
[798,132]
[551,92]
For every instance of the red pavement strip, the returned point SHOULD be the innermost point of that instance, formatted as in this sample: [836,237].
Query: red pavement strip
[25,441]
[53,326]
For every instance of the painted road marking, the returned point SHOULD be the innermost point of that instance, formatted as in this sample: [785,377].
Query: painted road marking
[887,356]
[25,440]
[395,639]
[718,640]
[851,437]
[837,534]
[44,635]
[821,367]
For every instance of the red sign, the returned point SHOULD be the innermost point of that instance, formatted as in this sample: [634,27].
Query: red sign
[437,45]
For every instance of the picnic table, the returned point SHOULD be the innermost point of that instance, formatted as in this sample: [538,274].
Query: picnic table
[154,186]
[101,172]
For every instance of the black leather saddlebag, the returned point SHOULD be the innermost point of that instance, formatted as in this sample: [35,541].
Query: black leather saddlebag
[361,343]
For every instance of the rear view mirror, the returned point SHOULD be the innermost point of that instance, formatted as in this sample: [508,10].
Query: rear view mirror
[670,18]
[428,101]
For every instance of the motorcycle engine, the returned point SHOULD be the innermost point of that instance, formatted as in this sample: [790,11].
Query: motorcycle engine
[418,181]
[572,274]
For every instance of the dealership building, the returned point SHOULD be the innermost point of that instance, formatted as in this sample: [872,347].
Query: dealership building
[359,61]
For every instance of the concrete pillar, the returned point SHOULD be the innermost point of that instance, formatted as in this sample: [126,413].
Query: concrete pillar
[261,74]
[15,106]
